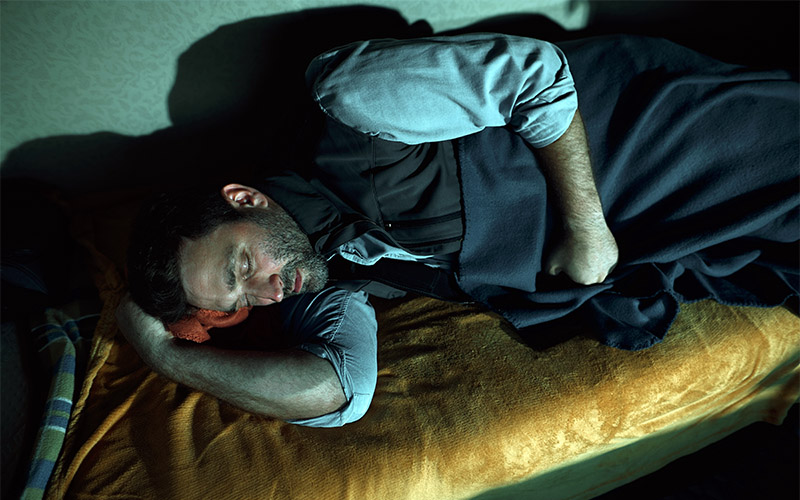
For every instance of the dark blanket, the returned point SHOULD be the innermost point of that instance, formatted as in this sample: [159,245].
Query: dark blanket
[696,163]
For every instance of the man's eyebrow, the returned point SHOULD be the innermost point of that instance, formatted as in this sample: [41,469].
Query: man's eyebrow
[230,277]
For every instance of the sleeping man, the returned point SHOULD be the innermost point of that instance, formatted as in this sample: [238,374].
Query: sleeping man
[459,168]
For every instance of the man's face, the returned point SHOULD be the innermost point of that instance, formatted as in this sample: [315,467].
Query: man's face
[258,261]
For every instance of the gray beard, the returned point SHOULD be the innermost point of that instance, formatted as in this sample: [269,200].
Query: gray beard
[288,243]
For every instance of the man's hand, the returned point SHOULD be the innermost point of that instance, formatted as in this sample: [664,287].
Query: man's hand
[587,256]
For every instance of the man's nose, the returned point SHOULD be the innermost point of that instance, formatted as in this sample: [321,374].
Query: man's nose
[266,290]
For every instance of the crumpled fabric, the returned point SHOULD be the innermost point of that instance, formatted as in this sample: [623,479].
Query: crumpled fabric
[196,326]
[696,165]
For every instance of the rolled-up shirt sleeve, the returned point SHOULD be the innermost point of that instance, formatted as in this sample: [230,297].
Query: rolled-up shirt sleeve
[340,327]
[442,88]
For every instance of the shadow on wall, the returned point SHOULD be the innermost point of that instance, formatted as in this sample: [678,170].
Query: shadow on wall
[234,100]
[758,34]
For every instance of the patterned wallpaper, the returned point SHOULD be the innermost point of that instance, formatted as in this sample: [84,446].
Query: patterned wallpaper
[79,67]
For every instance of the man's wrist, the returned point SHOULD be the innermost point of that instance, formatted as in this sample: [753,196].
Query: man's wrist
[588,221]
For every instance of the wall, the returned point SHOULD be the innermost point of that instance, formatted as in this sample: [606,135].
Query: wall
[79,67]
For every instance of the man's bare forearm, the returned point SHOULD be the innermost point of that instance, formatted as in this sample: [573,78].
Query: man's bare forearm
[568,167]
[586,250]
[290,384]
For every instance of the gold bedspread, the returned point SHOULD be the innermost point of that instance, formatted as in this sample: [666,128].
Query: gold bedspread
[461,410]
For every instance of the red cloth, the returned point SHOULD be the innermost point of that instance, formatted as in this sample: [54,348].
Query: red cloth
[195,328]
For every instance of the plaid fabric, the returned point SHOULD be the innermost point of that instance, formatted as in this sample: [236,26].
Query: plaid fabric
[60,347]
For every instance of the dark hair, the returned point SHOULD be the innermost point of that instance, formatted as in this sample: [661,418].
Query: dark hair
[159,230]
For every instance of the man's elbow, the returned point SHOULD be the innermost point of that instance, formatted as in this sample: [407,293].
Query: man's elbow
[322,398]
[330,399]
[332,408]
[328,395]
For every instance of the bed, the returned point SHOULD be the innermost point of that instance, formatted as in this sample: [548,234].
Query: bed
[464,408]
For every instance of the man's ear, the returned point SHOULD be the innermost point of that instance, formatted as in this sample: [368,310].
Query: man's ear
[240,196]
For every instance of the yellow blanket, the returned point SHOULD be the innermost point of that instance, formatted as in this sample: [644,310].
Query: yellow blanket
[462,410]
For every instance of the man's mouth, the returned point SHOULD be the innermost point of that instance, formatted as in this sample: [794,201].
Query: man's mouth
[298,282]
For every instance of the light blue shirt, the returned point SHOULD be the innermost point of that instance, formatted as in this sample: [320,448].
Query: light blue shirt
[442,88]
[417,91]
